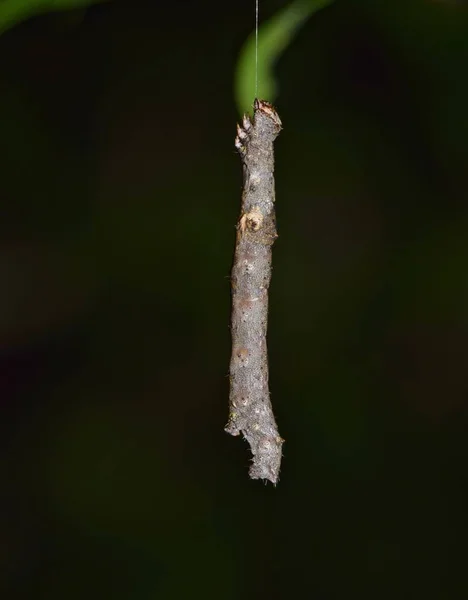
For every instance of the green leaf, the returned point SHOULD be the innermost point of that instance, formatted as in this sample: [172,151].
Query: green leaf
[13,12]
[273,38]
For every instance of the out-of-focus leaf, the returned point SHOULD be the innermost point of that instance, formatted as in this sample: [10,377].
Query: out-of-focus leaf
[273,38]
[13,12]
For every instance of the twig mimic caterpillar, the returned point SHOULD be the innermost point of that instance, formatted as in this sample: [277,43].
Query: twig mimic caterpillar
[250,407]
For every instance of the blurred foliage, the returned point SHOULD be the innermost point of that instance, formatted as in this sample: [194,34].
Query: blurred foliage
[274,36]
[13,12]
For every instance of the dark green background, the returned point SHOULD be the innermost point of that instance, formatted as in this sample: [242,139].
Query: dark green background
[119,193]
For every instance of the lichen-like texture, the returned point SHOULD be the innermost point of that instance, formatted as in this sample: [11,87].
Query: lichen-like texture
[250,408]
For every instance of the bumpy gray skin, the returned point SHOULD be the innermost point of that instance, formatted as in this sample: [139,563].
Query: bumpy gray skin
[250,408]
